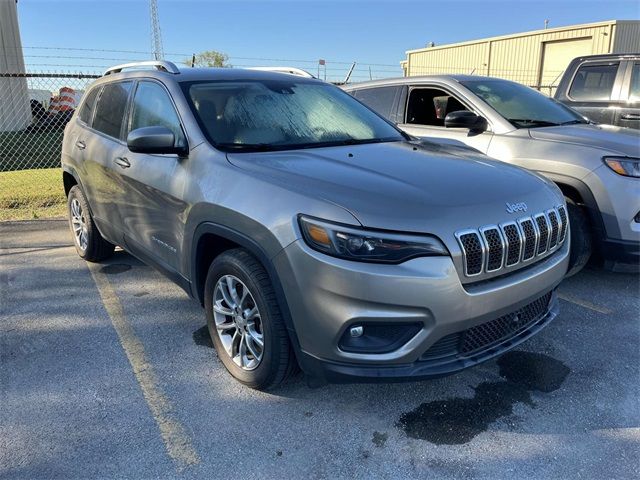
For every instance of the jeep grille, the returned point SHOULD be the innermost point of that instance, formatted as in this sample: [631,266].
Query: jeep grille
[512,244]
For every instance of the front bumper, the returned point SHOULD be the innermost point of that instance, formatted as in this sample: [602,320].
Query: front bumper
[326,296]
[426,367]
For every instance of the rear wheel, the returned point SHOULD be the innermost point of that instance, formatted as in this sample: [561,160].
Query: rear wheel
[245,322]
[87,239]
[581,242]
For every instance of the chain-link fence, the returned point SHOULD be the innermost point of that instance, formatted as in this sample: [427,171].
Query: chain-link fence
[34,109]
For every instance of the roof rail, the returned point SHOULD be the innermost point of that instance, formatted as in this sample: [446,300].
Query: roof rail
[163,65]
[289,70]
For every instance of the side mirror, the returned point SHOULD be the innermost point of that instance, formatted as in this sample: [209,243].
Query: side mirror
[465,119]
[154,140]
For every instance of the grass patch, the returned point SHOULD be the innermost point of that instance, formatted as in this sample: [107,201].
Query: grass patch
[29,194]
[20,150]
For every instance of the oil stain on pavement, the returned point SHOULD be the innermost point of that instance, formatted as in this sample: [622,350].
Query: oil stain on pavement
[201,337]
[459,420]
[115,268]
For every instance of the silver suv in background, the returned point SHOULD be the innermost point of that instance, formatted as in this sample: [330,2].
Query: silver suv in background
[313,232]
[597,167]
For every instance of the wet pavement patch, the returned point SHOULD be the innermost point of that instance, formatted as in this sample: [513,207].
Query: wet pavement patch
[379,439]
[458,420]
[534,371]
[201,337]
[115,268]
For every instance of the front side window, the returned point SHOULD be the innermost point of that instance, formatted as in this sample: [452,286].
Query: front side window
[430,106]
[86,112]
[522,106]
[111,108]
[593,82]
[152,107]
[634,89]
[283,114]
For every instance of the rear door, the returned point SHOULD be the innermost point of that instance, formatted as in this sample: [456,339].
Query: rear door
[384,100]
[425,111]
[153,214]
[595,90]
[628,115]
[103,184]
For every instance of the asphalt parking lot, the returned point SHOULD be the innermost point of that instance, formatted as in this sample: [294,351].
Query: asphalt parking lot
[106,371]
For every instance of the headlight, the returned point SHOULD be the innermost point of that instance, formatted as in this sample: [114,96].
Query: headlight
[627,166]
[367,245]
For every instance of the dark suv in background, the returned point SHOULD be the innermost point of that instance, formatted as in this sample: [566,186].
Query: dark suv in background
[604,88]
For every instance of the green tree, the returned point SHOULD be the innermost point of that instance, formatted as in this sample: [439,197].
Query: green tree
[209,58]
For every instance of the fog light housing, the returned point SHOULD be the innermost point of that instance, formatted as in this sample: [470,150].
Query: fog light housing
[377,337]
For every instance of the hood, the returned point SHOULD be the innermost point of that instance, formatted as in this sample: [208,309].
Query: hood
[614,140]
[402,186]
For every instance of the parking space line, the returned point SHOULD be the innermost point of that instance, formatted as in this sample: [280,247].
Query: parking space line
[584,303]
[174,436]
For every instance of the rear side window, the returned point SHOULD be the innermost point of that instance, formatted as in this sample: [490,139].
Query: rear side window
[86,112]
[634,89]
[111,108]
[152,107]
[593,82]
[381,100]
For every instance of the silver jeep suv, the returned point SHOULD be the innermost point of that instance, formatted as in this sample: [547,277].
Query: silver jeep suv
[313,232]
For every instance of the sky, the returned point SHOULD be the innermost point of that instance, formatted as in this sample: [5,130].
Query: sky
[374,33]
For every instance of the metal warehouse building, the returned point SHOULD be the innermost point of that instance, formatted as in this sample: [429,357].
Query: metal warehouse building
[536,58]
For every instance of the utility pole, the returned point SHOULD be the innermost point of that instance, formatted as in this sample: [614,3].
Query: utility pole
[156,36]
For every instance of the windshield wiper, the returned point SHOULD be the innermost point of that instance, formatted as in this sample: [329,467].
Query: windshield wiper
[573,122]
[537,123]
[254,147]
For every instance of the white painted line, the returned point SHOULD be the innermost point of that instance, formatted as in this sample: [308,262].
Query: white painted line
[584,303]
[174,436]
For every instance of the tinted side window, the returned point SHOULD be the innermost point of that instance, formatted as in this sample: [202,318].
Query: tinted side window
[152,107]
[111,108]
[86,112]
[380,100]
[594,82]
[634,89]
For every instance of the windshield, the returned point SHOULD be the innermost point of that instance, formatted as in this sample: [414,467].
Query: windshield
[283,114]
[523,106]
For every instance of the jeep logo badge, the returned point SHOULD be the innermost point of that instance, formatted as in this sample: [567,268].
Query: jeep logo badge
[516,207]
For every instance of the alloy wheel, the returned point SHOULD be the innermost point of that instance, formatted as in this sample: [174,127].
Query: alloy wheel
[238,322]
[79,223]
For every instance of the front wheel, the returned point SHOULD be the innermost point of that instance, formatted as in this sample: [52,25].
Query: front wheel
[245,322]
[581,243]
[88,241]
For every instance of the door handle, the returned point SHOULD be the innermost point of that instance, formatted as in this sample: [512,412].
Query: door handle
[80,145]
[631,116]
[122,162]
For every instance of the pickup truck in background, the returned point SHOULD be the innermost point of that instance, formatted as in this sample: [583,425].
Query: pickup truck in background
[604,88]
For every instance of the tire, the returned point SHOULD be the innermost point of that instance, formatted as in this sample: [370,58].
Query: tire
[581,242]
[86,238]
[262,368]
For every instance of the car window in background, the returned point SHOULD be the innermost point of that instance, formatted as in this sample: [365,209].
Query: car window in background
[522,106]
[379,99]
[152,107]
[111,107]
[593,82]
[283,114]
[86,112]
[634,89]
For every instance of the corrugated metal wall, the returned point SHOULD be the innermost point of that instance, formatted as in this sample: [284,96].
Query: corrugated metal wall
[520,57]
[626,37]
